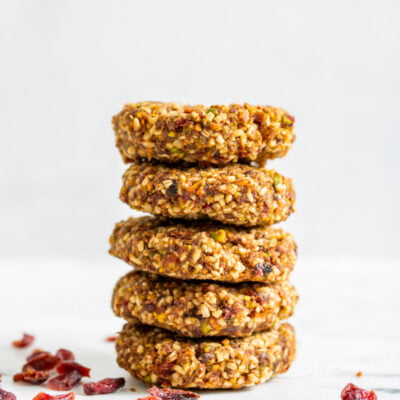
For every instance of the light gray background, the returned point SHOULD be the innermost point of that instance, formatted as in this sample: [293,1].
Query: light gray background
[68,66]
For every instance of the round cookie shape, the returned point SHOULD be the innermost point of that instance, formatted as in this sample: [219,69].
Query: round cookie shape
[159,357]
[235,194]
[202,308]
[215,135]
[204,250]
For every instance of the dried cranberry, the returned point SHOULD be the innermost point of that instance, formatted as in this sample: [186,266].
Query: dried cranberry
[65,381]
[172,394]
[352,392]
[46,396]
[149,398]
[105,386]
[7,395]
[69,366]
[35,353]
[65,355]
[111,339]
[41,361]
[181,122]
[26,341]
[165,368]
[31,375]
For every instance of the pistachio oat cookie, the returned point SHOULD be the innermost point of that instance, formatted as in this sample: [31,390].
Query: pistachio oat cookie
[204,250]
[159,357]
[215,135]
[197,309]
[235,194]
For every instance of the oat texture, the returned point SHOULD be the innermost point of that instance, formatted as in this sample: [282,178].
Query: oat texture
[216,135]
[196,309]
[159,357]
[204,250]
[234,194]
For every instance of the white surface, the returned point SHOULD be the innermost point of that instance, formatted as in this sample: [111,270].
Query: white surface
[347,321]
[69,65]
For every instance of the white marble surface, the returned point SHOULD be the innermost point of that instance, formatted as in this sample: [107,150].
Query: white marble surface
[347,321]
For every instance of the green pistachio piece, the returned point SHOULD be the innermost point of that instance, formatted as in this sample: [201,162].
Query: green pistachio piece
[205,327]
[219,235]
[277,181]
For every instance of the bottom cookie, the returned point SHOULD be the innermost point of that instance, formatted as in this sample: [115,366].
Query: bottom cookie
[157,356]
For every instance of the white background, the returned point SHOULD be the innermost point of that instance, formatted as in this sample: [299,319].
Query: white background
[67,66]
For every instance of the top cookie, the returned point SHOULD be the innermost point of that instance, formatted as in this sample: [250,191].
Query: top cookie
[215,135]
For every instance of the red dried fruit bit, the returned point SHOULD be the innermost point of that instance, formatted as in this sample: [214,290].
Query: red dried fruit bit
[26,341]
[35,353]
[69,366]
[7,395]
[31,375]
[149,398]
[105,386]
[41,361]
[352,392]
[172,394]
[111,339]
[64,381]
[65,355]
[46,396]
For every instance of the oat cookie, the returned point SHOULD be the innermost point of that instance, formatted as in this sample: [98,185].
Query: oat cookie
[216,135]
[234,194]
[159,357]
[204,250]
[202,308]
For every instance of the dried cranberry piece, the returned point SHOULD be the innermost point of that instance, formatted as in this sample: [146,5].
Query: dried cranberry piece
[69,366]
[353,392]
[7,395]
[149,398]
[172,394]
[165,368]
[64,381]
[111,339]
[31,375]
[26,341]
[65,355]
[35,353]
[41,361]
[105,386]
[181,122]
[46,396]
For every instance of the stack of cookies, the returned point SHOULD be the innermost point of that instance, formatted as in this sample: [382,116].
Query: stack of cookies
[205,302]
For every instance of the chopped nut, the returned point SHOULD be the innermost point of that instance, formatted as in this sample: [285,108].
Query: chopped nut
[219,235]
